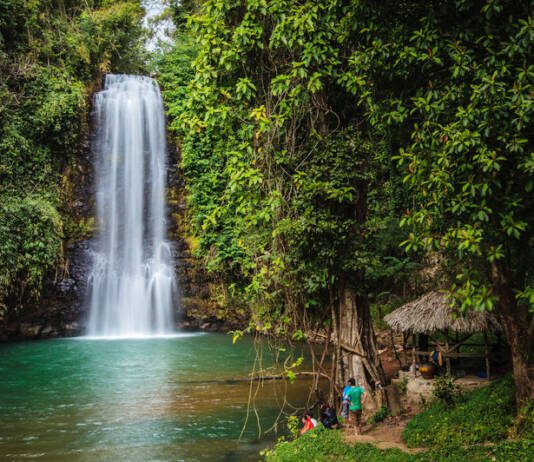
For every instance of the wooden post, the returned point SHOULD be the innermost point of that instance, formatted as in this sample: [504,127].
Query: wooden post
[486,354]
[413,355]
[447,358]
[457,345]
[404,340]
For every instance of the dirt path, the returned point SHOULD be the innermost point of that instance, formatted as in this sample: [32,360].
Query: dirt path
[382,435]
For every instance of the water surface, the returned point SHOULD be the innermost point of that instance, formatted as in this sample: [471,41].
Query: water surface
[147,399]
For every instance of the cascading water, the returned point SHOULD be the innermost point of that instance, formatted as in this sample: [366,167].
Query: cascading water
[132,281]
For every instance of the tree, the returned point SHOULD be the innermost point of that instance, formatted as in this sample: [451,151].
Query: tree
[453,82]
[292,115]
[280,177]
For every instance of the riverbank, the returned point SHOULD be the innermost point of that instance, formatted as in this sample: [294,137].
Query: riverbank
[479,427]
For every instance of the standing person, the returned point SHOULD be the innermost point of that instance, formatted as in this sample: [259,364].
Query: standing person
[345,401]
[356,396]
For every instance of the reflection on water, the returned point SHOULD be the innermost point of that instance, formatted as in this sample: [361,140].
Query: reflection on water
[160,399]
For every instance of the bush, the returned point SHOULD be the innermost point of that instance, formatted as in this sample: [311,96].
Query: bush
[482,415]
[30,243]
[403,386]
[446,391]
[524,423]
[293,425]
[380,415]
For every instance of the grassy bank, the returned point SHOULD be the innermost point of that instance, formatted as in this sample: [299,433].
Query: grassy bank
[474,429]
[323,445]
[481,416]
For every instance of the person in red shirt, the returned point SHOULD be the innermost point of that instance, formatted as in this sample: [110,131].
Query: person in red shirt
[308,421]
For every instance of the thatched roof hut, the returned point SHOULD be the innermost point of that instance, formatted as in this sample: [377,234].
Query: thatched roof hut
[432,312]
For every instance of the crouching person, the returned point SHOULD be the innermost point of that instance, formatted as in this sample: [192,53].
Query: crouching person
[328,416]
[308,421]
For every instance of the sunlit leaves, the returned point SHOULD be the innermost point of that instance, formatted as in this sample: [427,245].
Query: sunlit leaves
[469,161]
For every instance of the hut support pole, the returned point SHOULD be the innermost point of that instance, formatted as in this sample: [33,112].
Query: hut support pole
[414,362]
[486,354]
[447,357]
[404,341]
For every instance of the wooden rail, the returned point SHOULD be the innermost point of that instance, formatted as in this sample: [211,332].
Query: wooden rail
[452,354]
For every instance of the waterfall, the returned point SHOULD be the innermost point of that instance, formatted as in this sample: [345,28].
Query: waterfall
[132,282]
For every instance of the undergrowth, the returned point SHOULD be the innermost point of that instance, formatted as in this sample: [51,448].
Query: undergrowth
[475,428]
[328,445]
[380,415]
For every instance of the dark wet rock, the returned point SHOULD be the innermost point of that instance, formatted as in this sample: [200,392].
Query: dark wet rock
[28,330]
[47,331]
[72,329]
[66,285]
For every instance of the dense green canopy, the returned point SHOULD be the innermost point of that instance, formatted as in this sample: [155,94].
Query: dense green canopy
[309,130]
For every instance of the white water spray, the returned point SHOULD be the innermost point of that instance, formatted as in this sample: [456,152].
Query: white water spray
[132,282]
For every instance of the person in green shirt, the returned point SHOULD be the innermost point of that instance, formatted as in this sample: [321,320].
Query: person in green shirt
[356,396]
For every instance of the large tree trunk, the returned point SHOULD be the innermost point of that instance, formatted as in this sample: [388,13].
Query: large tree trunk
[522,359]
[356,346]
[518,326]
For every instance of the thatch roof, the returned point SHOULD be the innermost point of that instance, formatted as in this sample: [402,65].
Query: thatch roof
[432,312]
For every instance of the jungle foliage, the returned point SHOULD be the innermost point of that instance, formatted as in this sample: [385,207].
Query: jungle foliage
[311,130]
[52,57]
[479,416]
[289,196]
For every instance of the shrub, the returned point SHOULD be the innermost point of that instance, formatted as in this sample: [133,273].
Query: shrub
[380,415]
[403,386]
[293,425]
[524,423]
[30,243]
[446,391]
